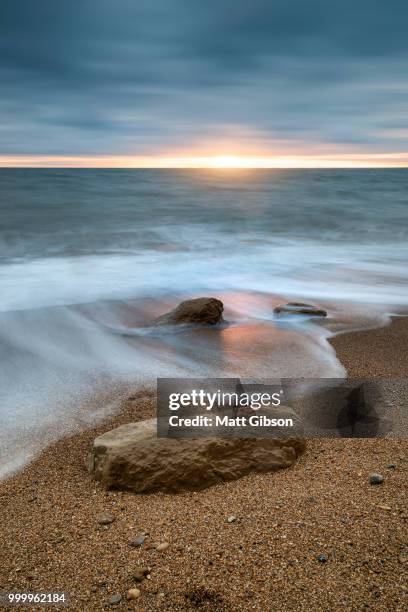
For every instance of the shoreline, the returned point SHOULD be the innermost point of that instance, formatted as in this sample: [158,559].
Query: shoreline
[89,375]
[265,560]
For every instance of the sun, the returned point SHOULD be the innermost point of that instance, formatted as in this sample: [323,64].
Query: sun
[228,161]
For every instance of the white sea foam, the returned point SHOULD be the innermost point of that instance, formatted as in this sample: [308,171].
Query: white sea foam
[370,274]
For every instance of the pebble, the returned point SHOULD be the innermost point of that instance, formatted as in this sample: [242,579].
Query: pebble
[133,593]
[106,519]
[162,546]
[140,573]
[115,600]
[376,479]
[231,519]
[322,558]
[311,499]
[391,466]
[139,541]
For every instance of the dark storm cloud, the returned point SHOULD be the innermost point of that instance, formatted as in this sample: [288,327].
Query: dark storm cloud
[140,76]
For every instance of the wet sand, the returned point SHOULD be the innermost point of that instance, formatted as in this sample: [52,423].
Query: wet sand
[378,353]
[266,560]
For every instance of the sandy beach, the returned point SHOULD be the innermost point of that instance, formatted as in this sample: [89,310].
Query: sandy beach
[316,536]
[379,353]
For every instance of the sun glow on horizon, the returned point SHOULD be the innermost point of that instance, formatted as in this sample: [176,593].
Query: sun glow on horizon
[230,161]
[288,161]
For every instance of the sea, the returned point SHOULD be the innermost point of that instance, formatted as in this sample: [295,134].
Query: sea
[89,257]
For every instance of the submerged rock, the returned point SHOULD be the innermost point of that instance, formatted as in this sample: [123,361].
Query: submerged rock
[204,310]
[131,457]
[300,308]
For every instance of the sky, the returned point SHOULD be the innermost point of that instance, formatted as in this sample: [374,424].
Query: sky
[203,82]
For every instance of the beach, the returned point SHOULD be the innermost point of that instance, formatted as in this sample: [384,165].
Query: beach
[315,536]
[203,306]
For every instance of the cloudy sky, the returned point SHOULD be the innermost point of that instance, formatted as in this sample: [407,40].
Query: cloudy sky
[89,79]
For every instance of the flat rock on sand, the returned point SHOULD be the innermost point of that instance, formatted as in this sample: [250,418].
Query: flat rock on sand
[204,311]
[131,457]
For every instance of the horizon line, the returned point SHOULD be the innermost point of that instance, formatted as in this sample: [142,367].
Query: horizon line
[356,167]
[209,161]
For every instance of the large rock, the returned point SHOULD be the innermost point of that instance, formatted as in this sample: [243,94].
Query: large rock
[300,308]
[131,457]
[204,310]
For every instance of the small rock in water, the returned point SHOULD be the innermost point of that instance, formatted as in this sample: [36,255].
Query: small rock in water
[300,308]
[204,310]
[139,541]
[140,573]
[322,558]
[162,546]
[106,519]
[376,479]
[115,600]
[133,593]
[231,519]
